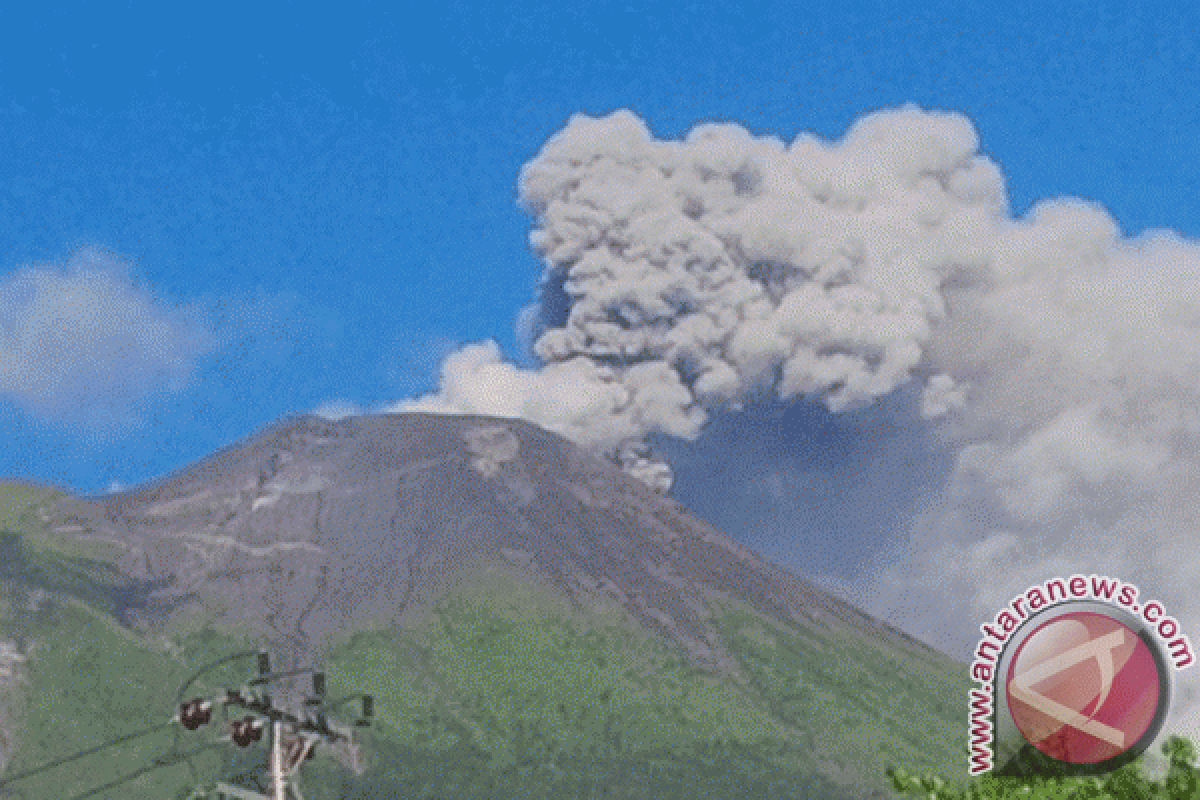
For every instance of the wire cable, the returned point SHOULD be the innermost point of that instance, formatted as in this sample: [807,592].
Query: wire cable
[44,767]
[160,763]
[270,676]
[183,690]
[219,662]
[174,757]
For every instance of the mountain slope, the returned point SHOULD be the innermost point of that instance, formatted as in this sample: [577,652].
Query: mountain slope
[543,601]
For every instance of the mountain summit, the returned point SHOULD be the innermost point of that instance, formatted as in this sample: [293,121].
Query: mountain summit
[317,526]
[341,543]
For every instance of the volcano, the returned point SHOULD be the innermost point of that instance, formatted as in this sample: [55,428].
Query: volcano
[324,540]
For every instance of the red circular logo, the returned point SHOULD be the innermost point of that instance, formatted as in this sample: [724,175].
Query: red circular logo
[1084,688]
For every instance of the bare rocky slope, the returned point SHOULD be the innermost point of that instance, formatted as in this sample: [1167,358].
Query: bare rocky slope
[313,531]
[315,526]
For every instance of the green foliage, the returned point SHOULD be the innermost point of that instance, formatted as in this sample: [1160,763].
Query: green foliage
[1182,782]
[503,691]
[33,559]
[490,703]
[550,772]
[91,681]
[862,705]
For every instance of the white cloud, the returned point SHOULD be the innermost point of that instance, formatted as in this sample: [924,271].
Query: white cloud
[700,272]
[1080,444]
[338,409]
[526,327]
[82,341]
[1059,359]
[577,398]
[1056,361]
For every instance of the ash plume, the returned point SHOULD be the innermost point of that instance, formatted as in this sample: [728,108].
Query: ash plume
[1056,360]
[699,274]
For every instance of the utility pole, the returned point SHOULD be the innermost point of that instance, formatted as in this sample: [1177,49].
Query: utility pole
[292,738]
[277,761]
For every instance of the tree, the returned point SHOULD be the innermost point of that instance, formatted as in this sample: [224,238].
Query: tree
[1182,782]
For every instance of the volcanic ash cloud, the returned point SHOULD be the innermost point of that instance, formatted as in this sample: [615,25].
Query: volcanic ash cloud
[1057,358]
[699,274]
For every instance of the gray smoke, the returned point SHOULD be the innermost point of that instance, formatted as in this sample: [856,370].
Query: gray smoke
[1058,359]
[701,273]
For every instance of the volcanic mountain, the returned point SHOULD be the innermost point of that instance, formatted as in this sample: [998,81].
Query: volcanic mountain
[316,530]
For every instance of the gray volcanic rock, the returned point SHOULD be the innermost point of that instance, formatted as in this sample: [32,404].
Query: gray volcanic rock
[315,526]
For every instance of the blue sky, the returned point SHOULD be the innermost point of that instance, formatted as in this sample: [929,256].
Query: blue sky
[323,205]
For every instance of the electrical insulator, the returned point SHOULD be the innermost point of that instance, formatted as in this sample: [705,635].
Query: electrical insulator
[318,683]
[195,713]
[368,711]
[187,718]
[244,731]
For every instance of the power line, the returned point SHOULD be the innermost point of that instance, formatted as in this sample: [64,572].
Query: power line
[213,665]
[92,751]
[195,676]
[197,712]
[112,742]
[164,761]
[179,696]
[305,732]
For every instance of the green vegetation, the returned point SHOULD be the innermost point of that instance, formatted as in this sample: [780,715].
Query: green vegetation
[482,702]
[502,689]
[86,679]
[1182,782]
[713,771]
[91,681]
[863,705]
